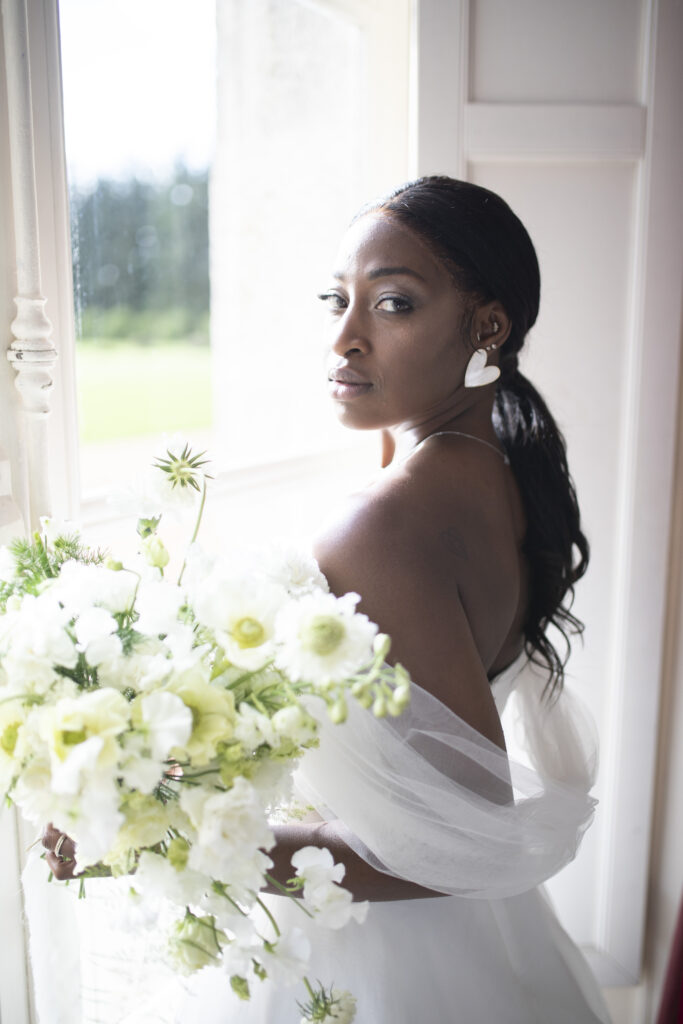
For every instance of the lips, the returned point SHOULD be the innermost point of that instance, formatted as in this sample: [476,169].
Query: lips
[346,384]
[344,375]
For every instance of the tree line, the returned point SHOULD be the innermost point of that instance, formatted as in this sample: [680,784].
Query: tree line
[141,257]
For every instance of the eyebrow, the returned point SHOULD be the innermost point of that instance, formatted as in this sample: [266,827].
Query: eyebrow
[386,272]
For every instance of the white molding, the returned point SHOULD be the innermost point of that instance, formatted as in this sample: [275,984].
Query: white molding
[556,131]
[646,494]
[440,86]
[55,250]
[15,999]
[31,352]
[268,477]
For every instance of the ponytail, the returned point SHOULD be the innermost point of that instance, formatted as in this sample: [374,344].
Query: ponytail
[555,547]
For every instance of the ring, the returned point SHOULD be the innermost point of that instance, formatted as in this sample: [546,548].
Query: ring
[58,846]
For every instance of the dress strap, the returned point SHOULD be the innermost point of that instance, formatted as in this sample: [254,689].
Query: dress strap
[461,433]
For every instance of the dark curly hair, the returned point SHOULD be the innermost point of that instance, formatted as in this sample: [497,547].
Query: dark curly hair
[489,253]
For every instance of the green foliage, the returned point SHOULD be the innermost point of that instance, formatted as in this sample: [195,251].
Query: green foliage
[36,562]
[141,257]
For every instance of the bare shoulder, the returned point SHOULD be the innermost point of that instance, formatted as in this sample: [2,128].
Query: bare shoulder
[406,546]
[444,510]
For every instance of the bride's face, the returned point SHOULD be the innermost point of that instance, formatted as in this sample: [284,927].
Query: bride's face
[397,350]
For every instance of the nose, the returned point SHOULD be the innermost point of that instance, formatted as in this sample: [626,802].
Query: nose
[350,334]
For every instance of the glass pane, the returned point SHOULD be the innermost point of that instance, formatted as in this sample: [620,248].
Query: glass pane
[296,155]
[139,107]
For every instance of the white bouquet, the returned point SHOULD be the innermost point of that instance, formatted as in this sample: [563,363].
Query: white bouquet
[158,724]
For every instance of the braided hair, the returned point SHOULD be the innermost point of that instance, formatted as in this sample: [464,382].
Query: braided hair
[489,253]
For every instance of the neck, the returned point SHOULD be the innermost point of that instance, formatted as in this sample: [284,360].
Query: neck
[475,419]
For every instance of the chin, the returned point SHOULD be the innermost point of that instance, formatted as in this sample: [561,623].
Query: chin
[353,419]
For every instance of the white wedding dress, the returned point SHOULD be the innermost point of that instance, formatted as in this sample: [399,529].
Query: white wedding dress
[463,958]
[427,798]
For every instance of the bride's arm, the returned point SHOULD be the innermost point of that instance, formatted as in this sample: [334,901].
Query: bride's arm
[360,878]
[388,551]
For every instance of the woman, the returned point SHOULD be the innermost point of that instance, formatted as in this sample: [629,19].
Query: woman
[463,550]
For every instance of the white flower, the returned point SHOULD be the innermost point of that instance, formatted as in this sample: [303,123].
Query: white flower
[158,880]
[12,717]
[316,864]
[80,586]
[253,728]
[82,760]
[335,1006]
[332,905]
[136,768]
[293,723]
[81,735]
[288,961]
[241,612]
[323,639]
[94,628]
[158,605]
[33,640]
[168,722]
[231,830]
[92,820]
[53,528]
[293,568]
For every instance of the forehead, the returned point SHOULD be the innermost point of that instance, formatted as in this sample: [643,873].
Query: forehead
[378,240]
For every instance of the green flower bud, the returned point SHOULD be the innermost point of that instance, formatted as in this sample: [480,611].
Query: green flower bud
[379,706]
[240,986]
[113,564]
[401,676]
[381,646]
[402,696]
[154,550]
[338,711]
[196,943]
[365,699]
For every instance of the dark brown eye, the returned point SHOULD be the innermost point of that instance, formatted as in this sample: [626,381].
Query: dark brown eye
[333,300]
[395,304]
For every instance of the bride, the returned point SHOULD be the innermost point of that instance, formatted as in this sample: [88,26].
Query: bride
[465,549]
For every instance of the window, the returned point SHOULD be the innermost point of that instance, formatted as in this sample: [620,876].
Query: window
[196,266]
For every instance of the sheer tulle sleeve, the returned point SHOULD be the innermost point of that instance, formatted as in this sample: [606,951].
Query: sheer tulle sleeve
[427,798]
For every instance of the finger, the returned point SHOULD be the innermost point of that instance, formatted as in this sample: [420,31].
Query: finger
[50,837]
[61,869]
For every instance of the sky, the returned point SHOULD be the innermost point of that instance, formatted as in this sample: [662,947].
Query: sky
[139,86]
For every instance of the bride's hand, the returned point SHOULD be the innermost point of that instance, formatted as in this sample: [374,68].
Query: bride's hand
[61,853]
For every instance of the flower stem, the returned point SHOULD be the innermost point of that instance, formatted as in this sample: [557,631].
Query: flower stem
[268,914]
[308,986]
[285,892]
[196,529]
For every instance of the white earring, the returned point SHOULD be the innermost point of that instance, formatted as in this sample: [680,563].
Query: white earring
[478,374]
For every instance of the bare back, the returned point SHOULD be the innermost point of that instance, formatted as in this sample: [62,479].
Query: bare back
[434,549]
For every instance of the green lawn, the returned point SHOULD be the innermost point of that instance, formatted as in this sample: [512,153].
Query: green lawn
[126,389]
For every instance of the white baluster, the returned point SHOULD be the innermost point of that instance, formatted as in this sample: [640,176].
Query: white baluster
[31,352]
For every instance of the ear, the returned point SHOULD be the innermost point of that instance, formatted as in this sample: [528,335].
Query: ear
[491,326]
